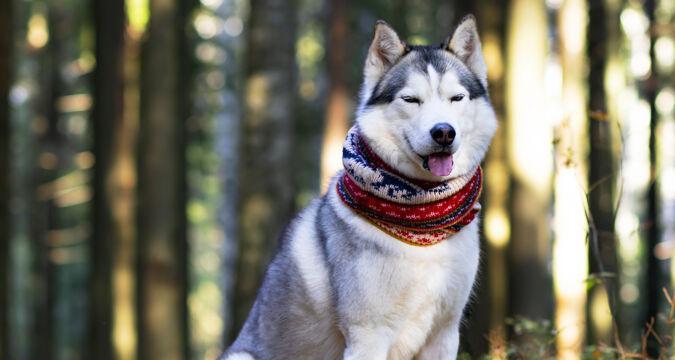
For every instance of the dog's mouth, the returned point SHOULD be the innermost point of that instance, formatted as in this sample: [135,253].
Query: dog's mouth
[439,163]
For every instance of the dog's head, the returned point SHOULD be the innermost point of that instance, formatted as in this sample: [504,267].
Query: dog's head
[425,110]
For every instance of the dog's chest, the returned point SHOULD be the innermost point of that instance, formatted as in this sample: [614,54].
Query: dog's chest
[419,297]
[412,292]
[418,292]
[433,284]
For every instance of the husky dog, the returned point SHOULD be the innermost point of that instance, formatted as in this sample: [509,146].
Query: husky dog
[351,281]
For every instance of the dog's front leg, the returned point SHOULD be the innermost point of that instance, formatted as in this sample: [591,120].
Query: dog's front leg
[443,345]
[366,343]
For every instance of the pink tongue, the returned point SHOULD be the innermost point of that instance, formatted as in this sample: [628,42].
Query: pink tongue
[440,164]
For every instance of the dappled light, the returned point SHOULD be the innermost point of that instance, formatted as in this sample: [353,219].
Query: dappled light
[154,152]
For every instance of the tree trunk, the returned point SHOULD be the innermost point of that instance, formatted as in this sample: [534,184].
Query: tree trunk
[656,276]
[529,139]
[602,243]
[337,109]
[23,282]
[266,197]
[6,39]
[61,197]
[570,224]
[111,199]
[161,210]
[488,314]
[228,133]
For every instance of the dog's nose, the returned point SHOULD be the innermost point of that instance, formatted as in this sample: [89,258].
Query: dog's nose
[443,133]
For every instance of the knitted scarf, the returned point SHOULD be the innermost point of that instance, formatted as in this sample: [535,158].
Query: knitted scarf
[414,211]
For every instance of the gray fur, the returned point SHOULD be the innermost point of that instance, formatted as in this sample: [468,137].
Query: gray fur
[279,335]
[275,326]
[417,59]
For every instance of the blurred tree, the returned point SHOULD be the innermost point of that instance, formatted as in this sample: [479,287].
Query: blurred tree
[6,41]
[22,153]
[109,195]
[570,233]
[59,218]
[162,245]
[228,118]
[40,267]
[602,178]
[529,143]
[657,270]
[312,32]
[211,152]
[489,313]
[337,108]
[266,190]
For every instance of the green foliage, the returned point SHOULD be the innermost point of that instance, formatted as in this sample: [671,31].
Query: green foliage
[599,352]
[595,279]
[534,339]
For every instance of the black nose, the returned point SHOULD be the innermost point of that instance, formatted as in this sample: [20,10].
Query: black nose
[443,133]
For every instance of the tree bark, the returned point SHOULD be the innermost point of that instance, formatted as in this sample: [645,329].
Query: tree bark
[6,38]
[530,201]
[656,275]
[162,247]
[266,197]
[111,199]
[487,315]
[602,244]
[337,108]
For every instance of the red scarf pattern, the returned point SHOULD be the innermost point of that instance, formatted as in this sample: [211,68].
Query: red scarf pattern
[396,204]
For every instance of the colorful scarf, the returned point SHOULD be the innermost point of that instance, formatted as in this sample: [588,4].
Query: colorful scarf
[414,211]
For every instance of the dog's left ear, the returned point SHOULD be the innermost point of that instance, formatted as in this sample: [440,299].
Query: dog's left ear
[465,44]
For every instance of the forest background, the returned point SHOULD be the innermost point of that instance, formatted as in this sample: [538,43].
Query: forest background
[151,152]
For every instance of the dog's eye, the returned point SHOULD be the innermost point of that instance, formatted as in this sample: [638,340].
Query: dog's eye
[411,99]
[457,97]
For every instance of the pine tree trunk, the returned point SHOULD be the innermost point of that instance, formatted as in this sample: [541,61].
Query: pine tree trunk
[266,196]
[337,109]
[6,38]
[602,244]
[530,201]
[487,315]
[60,268]
[228,135]
[570,225]
[109,195]
[656,276]
[161,211]
[22,317]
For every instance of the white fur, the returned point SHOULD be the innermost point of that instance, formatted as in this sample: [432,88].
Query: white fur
[387,127]
[411,302]
[240,356]
[307,256]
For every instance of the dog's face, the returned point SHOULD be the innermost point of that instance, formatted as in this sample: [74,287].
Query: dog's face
[425,109]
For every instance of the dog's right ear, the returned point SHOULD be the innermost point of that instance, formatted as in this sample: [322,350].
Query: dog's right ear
[384,51]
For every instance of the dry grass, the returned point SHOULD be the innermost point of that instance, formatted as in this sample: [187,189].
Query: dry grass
[535,339]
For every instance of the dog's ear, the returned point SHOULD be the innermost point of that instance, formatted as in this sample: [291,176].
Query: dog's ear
[465,44]
[384,51]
